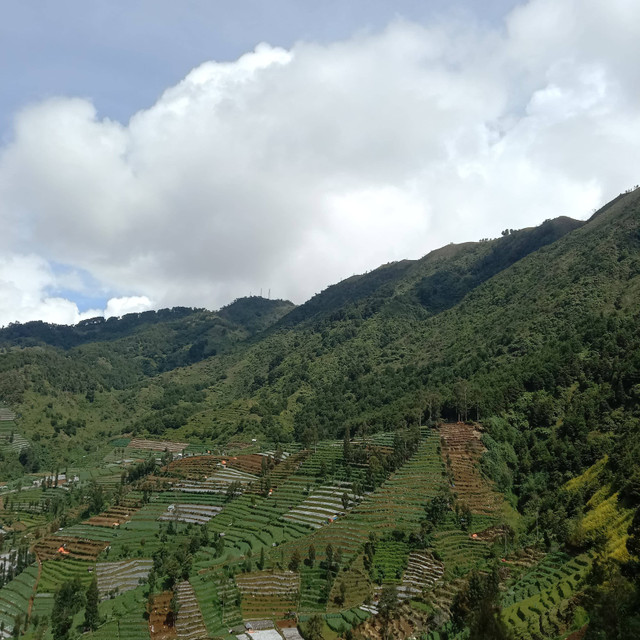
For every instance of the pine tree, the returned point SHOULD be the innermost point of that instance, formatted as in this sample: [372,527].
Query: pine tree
[91,615]
[346,445]
[66,603]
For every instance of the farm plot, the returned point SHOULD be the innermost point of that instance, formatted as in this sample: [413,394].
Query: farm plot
[458,551]
[287,467]
[15,596]
[247,462]
[389,561]
[462,450]
[291,633]
[55,572]
[423,572]
[193,513]
[138,535]
[115,515]
[63,546]
[358,587]
[322,506]
[327,457]
[157,445]
[189,622]
[42,605]
[194,467]
[219,600]
[121,576]
[218,483]
[398,503]
[6,415]
[251,520]
[89,532]
[161,623]
[267,594]
[11,440]
[537,601]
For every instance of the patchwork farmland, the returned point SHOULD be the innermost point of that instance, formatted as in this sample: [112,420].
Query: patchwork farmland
[273,538]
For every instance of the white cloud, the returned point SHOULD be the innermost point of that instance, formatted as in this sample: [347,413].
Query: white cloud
[25,282]
[290,170]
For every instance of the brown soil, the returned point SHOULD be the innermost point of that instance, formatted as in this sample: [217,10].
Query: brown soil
[157,445]
[161,622]
[461,451]
[81,549]
[115,515]
[578,635]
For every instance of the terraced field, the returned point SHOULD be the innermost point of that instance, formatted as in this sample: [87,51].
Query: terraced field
[141,444]
[121,576]
[389,561]
[304,506]
[115,515]
[65,546]
[190,513]
[217,483]
[534,604]
[423,572]
[55,572]
[11,440]
[270,594]
[459,552]
[358,587]
[324,505]
[219,599]
[189,622]
[462,450]
[398,503]
[15,596]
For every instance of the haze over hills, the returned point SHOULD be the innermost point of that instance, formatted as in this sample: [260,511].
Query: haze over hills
[532,337]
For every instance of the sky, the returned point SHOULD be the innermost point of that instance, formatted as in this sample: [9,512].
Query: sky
[157,153]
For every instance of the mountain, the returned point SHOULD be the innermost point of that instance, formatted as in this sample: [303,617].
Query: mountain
[531,337]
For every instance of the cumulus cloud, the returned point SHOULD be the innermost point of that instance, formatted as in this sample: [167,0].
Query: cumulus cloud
[25,285]
[291,169]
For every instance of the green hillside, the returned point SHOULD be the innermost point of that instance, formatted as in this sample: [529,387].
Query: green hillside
[489,389]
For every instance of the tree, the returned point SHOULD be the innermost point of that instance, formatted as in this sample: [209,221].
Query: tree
[68,600]
[346,445]
[478,607]
[314,628]
[311,555]
[234,489]
[345,500]
[91,615]
[17,623]
[437,508]
[466,517]
[96,497]
[461,397]
[328,554]
[388,603]
[294,563]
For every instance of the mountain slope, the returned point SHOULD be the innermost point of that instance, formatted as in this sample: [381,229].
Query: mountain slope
[533,337]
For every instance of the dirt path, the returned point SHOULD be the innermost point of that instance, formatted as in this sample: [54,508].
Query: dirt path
[35,589]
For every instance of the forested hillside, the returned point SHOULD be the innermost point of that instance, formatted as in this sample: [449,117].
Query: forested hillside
[531,337]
